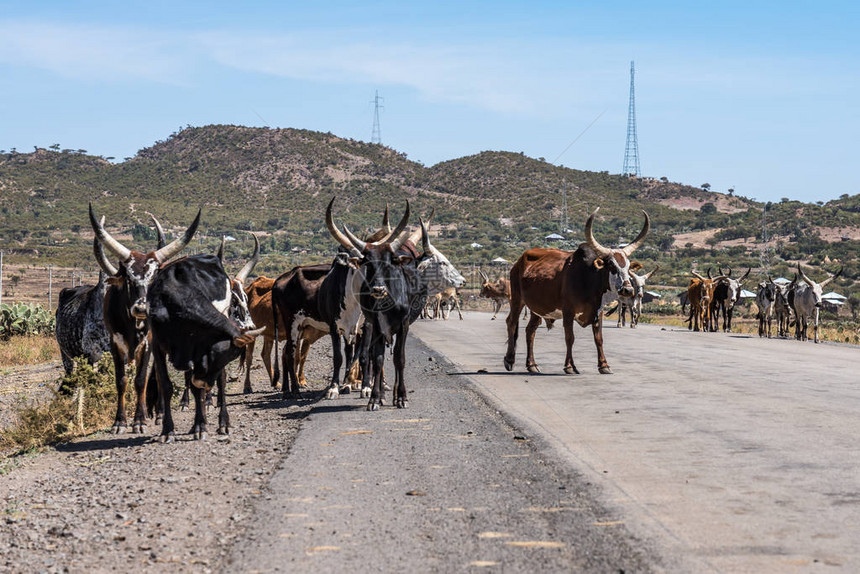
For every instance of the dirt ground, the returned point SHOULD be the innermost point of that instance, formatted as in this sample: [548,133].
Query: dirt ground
[126,502]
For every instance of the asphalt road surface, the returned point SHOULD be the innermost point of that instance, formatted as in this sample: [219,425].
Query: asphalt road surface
[730,453]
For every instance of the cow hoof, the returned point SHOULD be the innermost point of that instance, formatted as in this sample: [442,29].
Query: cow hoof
[509,365]
[365,392]
[201,435]
[385,386]
[372,406]
[345,389]
[138,428]
[168,438]
[332,394]
[118,428]
[492,318]
[183,408]
[224,430]
[571,370]
[604,370]
[401,403]
[247,391]
[533,369]
[158,420]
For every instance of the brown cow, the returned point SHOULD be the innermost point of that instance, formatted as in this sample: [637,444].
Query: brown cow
[448,297]
[499,292]
[699,294]
[556,284]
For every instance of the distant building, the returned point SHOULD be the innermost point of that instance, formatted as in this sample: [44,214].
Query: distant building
[554,237]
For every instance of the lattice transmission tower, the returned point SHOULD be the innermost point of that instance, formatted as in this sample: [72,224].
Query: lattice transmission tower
[376,136]
[631,150]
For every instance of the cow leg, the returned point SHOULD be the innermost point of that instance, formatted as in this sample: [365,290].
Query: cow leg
[223,415]
[399,356]
[364,361]
[377,355]
[198,429]
[531,329]
[620,308]
[152,387]
[457,306]
[597,330]
[119,424]
[815,324]
[140,377]
[333,390]
[248,360]
[266,356]
[348,356]
[183,402]
[290,384]
[165,387]
[513,324]
[496,308]
[569,367]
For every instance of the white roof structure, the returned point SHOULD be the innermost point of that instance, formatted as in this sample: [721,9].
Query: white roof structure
[554,237]
[500,260]
[834,296]
[782,281]
[476,245]
[745,294]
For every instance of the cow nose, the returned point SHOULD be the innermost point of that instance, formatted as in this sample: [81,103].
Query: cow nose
[139,309]
[626,291]
[379,292]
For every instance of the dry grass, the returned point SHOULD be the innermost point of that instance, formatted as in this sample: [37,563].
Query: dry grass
[34,350]
[87,405]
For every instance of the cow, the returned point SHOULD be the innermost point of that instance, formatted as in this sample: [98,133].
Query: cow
[556,284]
[192,326]
[436,271]
[764,300]
[259,293]
[633,305]
[805,299]
[499,292]
[80,328]
[699,295]
[391,295]
[125,312]
[781,309]
[442,303]
[726,294]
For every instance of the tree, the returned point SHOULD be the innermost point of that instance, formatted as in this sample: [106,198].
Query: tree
[706,186]
[731,191]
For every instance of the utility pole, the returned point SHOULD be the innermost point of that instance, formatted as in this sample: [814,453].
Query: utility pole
[50,285]
[563,222]
[376,135]
[764,255]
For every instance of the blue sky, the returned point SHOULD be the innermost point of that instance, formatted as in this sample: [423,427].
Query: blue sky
[758,96]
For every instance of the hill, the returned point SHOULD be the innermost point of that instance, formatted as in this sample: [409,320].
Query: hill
[277,182]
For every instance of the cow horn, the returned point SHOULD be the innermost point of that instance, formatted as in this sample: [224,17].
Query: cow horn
[353,239]
[709,273]
[589,237]
[159,232]
[425,237]
[745,275]
[337,234]
[484,276]
[697,276]
[398,231]
[637,243]
[648,275]
[829,279]
[173,248]
[804,277]
[220,253]
[249,266]
[99,252]
[122,252]
[386,224]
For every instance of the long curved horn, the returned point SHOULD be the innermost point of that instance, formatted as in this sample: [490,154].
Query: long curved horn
[101,259]
[358,243]
[220,253]
[122,252]
[829,279]
[697,276]
[804,277]
[430,217]
[337,234]
[709,273]
[386,224]
[484,276]
[398,231]
[425,237]
[249,266]
[745,275]
[637,243]
[159,232]
[173,248]
[589,237]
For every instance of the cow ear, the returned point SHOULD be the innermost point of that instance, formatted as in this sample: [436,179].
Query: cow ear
[598,263]
[635,266]
[354,262]
[115,281]
[404,259]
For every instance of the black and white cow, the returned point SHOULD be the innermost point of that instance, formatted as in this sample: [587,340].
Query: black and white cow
[764,300]
[125,311]
[386,298]
[633,304]
[727,291]
[190,325]
[80,327]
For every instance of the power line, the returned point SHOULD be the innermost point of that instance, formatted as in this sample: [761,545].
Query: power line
[631,149]
[582,133]
[376,135]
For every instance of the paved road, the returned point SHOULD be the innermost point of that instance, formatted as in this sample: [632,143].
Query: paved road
[735,454]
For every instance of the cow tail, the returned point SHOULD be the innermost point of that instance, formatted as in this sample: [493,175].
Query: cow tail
[152,392]
[277,370]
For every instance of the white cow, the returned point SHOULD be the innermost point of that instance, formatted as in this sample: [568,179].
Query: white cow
[805,299]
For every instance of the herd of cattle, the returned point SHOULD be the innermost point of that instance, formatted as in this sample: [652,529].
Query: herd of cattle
[190,313]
